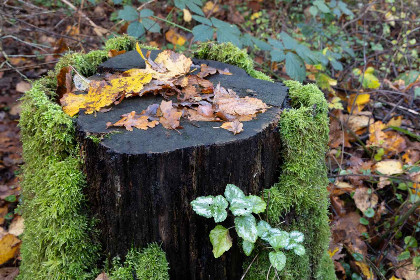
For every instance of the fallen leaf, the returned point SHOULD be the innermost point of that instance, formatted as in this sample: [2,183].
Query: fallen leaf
[175,38]
[364,198]
[64,81]
[23,86]
[187,15]
[411,156]
[358,102]
[206,70]
[395,121]
[365,269]
[16,227]
[3,211]
[358,122]
[9,273]
[408,272]
[210,7]
[169,116]
[392,142]
[395,278]
[102,276]
[9,246]
[348,230]
[235,126]
[101,94]
[389,167]
[114,53]
[167,65]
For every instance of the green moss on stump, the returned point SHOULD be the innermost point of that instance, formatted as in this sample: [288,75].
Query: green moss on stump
[149,263]
[58,237]
[301,191]
[229,53]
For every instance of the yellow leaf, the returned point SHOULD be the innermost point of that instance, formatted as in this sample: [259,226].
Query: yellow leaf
[394,278]
[370,70]
[101,94]
[365,270]
[187,15]
[174,64]
[209,6]
[335,104]
[333,252]
[370,81]
[389,167]
[358,101]
[395,121]
[175,38]
[9,244]
[255,15]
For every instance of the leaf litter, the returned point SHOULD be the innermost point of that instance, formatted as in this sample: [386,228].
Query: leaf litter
[168,75]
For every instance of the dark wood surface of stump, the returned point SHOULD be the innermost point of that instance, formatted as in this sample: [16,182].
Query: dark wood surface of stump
[141,183]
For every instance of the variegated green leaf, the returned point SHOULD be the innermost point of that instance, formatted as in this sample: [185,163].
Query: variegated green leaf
[246,227]
[221,240]
[277,259]
[299,250]
[218,209]
[232,192]
[202,206]
[247,247]
[278,239]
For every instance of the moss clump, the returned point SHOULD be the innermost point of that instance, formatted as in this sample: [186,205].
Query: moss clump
[301,191]
[148,264]
[229,53]
[120,43]
[57,242]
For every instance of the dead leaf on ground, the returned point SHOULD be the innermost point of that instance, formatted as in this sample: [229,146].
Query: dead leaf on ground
[102,276]
[348,230]
[389,167]
[408,272]
[3,211]
[358,122]
[174,37]
[365,198]
[366,271]
[23,87]
[358,102]
[16,227]
[392,142]
[9,246]
[206,70]
[338,136]
[9,273]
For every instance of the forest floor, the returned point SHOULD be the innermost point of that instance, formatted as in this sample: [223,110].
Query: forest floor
[374,153]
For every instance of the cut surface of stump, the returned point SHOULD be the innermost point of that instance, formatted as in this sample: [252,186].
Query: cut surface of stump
[141,182]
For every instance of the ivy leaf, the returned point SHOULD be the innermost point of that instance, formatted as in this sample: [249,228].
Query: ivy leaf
[278,239]
[202,206]
[227,32]
[261,44]
[135,29]
[146,13]
[306,54]
[220,239]
[296,236]
[299,250]
[240,207]
[232,192]
[150,25]
[295,67]
[246,228]
[257,203]
[128,13]
[277,259]
[218,209]
[247,247]
[202,32]
[276,44]
[262,228]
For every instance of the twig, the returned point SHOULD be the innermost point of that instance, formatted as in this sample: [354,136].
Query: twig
[173,23]
[372,175]
[100,31]
[400,107]
[249,266]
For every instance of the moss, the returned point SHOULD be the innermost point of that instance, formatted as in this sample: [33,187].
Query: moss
[120,43]
[57,242]
[229,53]
[301,192]
[147,264]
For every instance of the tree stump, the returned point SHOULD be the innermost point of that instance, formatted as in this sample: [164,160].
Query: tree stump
[141,183]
